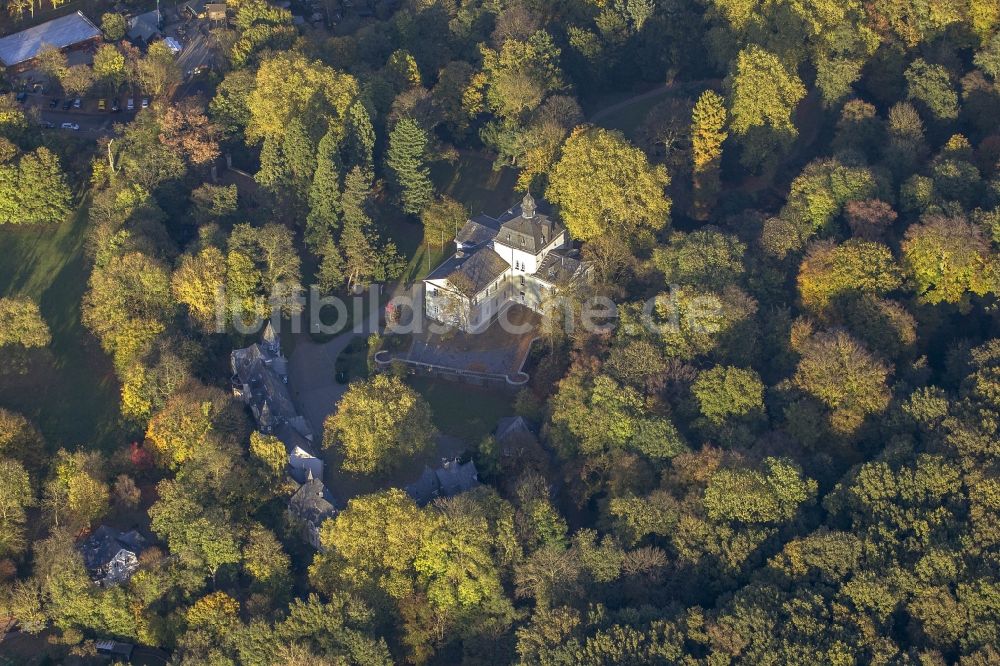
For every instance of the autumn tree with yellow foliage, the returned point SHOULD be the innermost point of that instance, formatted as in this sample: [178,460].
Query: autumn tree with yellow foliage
[378,424]
[605,185]
[708,131]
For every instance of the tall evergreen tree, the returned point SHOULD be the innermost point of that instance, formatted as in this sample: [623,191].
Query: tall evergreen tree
[324,193]
[365,257]
[406,158]
[359,142]
[300,158]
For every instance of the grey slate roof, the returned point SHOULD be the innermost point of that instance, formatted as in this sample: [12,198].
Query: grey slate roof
[451,478]
[510,426]
[478,230]
[304,465]
[261,372]
[142,27]
[196,7]
[424,489]
[481,268]
[455,477]
[560,267]
[530,232]
[104,543]
[313,503]
[61,32]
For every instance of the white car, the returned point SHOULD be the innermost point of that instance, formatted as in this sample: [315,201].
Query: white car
[70,126]
[145,102]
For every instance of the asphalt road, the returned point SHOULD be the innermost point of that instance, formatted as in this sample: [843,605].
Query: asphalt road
[197,52]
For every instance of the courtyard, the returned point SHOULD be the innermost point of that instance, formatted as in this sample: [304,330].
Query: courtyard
[493,351]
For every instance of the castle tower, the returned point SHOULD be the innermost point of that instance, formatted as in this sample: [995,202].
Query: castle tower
[528,206]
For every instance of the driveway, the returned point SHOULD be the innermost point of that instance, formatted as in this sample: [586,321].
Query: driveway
[311,379]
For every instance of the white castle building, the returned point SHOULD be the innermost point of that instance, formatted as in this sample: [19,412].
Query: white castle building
[524,257]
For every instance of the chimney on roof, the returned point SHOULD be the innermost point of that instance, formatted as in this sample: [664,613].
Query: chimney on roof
[528,206]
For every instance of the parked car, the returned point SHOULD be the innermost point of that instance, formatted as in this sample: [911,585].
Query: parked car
[70,126]
[115,106]
[46,124]
[77,103]
[67,105]
[130,104]
[21,96]
[145,102]
[101,105]
[54,103]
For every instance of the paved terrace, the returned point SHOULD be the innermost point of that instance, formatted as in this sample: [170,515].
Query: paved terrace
[493,351]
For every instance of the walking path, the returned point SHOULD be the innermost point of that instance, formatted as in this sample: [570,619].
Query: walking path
[635,99]
[663,89]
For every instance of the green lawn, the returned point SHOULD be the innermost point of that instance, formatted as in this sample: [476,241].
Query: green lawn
[471,180]
[69,388]
[460,410]
[629,119]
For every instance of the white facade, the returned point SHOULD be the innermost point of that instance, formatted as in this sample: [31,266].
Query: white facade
[510,274]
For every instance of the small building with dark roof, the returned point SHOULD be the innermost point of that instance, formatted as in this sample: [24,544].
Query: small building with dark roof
[114,649]
[143,28]
[309,507]
[195,8]
[510,427]
[112,556]
[451,478]
[215,11]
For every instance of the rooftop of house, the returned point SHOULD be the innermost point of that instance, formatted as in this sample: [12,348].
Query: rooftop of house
[114,647]
[59,33]
[143,27]
[511,426]
[471,272]
[478,230]
[263,369]
[560,266]
[475,266]
[456,477]
[425,488]
[304,465]
[313,502]
[528,226]
[450,479]
[104,543]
